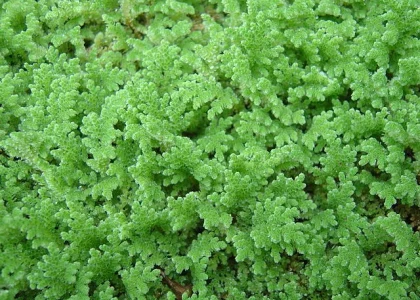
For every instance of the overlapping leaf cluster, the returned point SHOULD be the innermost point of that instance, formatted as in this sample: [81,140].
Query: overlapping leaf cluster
[254,149]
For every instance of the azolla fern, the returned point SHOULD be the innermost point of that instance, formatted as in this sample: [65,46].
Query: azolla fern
[224,149]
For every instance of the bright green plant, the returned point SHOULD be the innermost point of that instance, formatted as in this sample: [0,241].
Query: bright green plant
[222,149]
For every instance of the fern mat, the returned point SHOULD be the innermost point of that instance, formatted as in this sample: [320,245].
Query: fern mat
[221,149]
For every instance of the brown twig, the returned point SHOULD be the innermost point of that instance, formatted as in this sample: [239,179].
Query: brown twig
[177,288]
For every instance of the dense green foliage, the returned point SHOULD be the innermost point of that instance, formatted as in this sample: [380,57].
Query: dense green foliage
[255,149]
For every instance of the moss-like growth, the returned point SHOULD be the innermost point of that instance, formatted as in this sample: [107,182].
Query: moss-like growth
[223,149]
